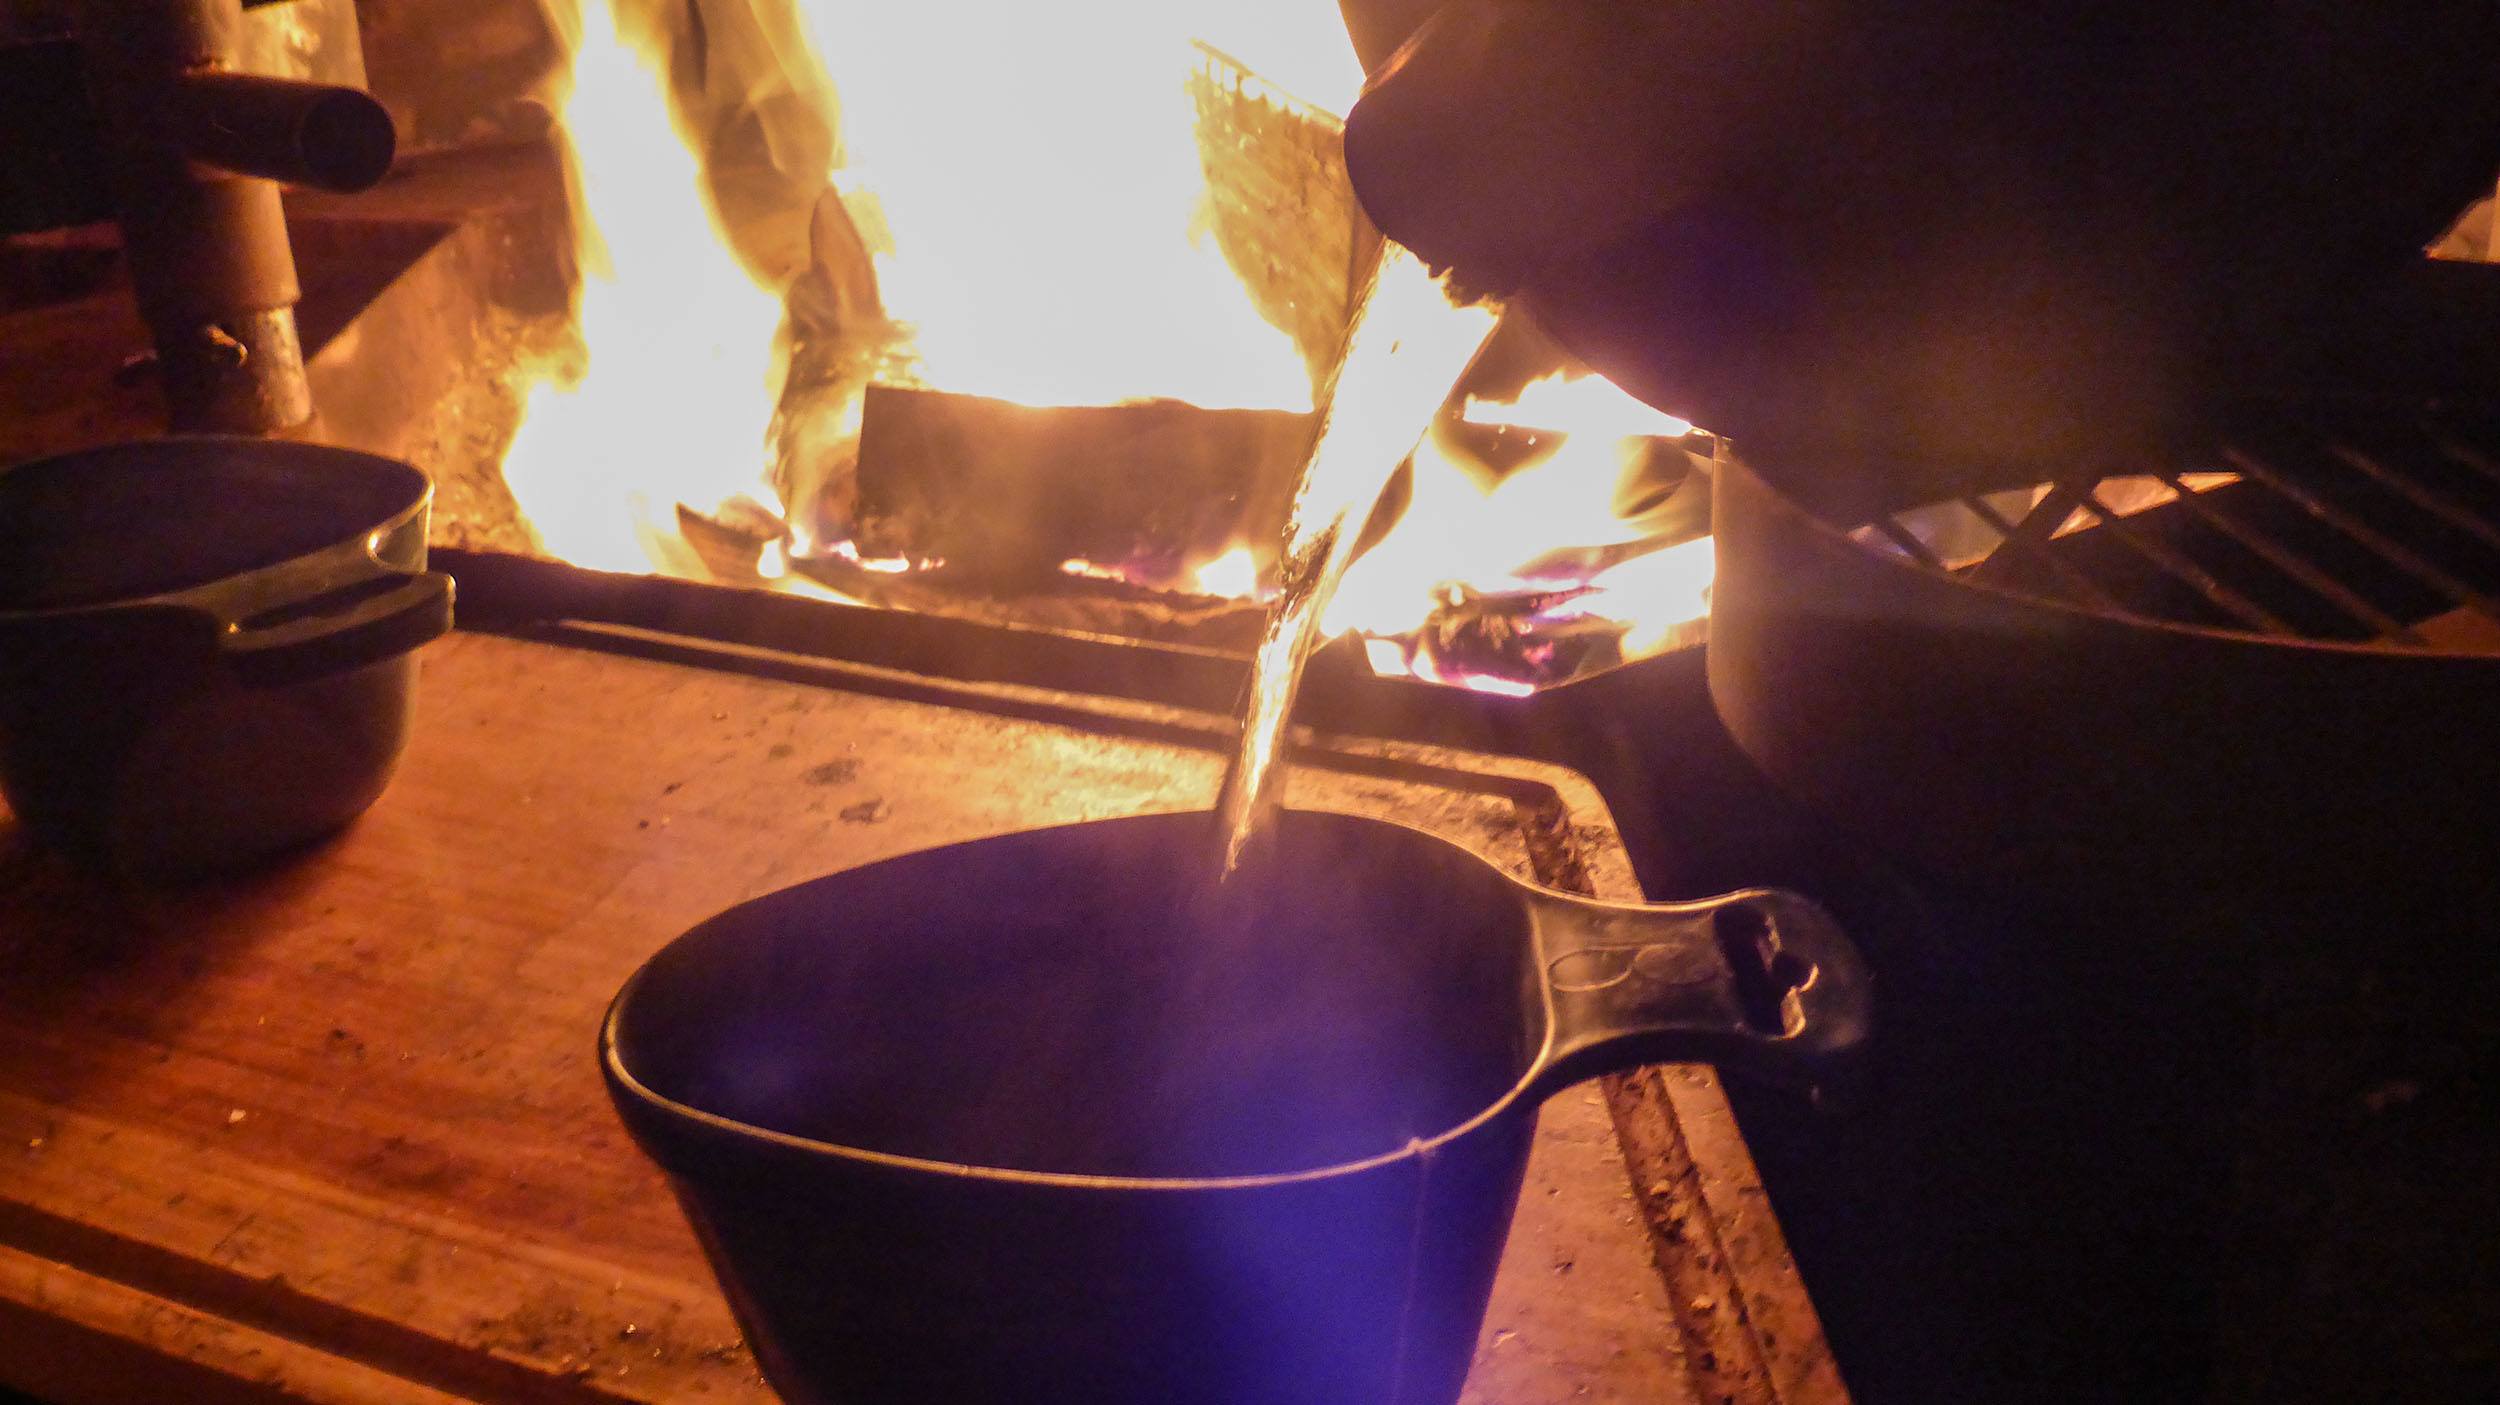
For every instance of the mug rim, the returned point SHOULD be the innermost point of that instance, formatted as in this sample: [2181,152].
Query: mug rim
[622,1079]
[364,541]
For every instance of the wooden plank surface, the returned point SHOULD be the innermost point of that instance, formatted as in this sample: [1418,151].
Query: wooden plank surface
[335,1133]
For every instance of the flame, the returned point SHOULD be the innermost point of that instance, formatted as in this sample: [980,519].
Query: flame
[1026,186]
[1663,595]
[1483,683]
[1235,575]
[883,565]
[1467,528]
[1091,570]
[1030,197]
[1034,176]
[1579,403]
[678,385]
[775,572]
[1231,575]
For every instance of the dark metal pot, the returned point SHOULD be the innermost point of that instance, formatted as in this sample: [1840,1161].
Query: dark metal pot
[2006,739]
[994,1122]
[205,645]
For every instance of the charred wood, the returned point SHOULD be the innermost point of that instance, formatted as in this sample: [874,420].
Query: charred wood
[1006,493]
[839,337]
[1067,604]
[1525,636]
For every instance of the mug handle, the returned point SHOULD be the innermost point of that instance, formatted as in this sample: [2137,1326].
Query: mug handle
[1759,982]
[364,622]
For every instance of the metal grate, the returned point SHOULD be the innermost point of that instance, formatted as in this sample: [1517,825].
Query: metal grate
[2378,530]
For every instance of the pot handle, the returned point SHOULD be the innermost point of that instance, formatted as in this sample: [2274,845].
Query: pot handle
[1759,982]
[373,619]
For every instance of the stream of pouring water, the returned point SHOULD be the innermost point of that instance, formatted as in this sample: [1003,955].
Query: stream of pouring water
[1406,346]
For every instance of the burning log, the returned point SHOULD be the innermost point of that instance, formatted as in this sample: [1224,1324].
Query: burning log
[839,336]
[1008,493]
[1533,637]
[1074,604]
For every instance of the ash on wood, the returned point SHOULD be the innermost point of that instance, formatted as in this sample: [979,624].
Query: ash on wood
[1004,492]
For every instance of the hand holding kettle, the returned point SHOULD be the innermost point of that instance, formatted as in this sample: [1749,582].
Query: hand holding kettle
[1931,240]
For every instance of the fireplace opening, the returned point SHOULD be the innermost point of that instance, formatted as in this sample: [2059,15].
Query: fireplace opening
[1033,331]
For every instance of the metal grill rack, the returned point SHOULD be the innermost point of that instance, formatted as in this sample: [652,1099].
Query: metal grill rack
[2378,529]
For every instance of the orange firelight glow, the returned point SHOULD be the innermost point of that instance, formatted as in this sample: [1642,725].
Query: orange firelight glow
[1467,529]
[1035,209]
[679,380]
[1038,195]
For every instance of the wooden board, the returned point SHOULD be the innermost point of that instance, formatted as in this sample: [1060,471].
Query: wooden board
[335,1133]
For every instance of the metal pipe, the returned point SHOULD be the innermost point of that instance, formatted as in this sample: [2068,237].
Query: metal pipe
[208,250]
[1908,542]
[2461,454]
[314,134]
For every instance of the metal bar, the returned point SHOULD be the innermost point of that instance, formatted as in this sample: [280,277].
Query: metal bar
[2040,524]
[2289,562]
[1907,540]
[2088,590]
[2461,454]
[2179,568]
[2395,553]
[2460,518]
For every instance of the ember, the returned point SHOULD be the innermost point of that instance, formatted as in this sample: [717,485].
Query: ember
[1473,635]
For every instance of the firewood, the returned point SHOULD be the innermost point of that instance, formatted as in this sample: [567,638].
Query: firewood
[731,538]
[1004,492]
[1071,604]
[1530,636]
[1007,493]
[839,336]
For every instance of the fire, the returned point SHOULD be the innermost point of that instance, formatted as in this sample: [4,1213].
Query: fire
[1034,187]
[1017,204]
[1585,405]
[1234,574]
[672,402]
[1556,544]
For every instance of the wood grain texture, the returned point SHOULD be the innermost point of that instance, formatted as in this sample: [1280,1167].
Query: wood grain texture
[335,1133]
